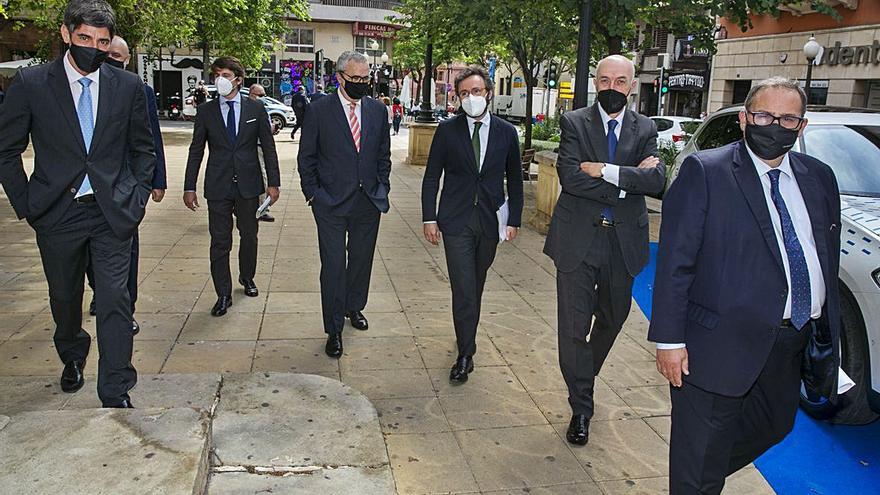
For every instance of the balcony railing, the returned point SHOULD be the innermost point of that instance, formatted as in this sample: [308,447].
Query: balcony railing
[367,4]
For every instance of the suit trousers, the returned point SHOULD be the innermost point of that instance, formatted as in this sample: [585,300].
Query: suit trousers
[81,235]
[599,287]
[468,258]
[347,244]
[132,272]
[220,212]
[713,436]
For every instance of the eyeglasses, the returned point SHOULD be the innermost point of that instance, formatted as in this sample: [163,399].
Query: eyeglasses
[764,119]
[356,79]
[474,92]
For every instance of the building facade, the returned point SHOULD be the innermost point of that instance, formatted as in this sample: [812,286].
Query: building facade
[846,72]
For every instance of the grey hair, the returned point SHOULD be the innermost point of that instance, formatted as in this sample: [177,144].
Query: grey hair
[777,82]
[349,56]
[471,71]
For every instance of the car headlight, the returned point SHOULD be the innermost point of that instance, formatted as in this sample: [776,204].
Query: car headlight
[876,277]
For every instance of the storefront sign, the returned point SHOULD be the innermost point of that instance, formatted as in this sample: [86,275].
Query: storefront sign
[373,30]
[687,82]
[850,55]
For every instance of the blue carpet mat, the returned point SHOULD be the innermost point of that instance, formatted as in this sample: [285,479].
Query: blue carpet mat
[817,457]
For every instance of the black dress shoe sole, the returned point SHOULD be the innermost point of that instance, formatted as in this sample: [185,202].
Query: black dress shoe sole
[577,440]
[358,325]
[249,292]
[69,390]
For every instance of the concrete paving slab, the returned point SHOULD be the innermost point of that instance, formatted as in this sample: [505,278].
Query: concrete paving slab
[198,391]
[326,481]
[30,393]
[105,451]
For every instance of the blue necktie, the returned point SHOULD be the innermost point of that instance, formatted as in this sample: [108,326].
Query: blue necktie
[230,121]
[608,212]
[797,263]
[87,126]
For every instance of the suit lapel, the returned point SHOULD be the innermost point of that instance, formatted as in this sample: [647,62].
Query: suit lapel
[750,184]
[626,143]
[61,90]
[246,114]
[464,134]
[815,202]
[596,134]
[106,104]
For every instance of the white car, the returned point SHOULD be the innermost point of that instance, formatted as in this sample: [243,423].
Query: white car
[848,140]
[675,130]
[282,115]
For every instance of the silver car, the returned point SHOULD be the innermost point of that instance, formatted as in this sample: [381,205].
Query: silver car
[848,140]
[282,115]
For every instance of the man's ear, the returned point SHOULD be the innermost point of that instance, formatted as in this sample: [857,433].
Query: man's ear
[65,34]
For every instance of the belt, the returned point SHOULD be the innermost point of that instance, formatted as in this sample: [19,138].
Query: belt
[87,198]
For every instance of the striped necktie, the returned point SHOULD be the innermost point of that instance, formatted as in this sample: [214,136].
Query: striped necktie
[355,126]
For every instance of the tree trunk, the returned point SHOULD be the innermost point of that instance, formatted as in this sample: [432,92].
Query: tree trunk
[206,61]
[615,43]
[530,84]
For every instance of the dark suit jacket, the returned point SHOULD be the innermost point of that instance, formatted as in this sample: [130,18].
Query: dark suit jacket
[299,103]
[41,108]
[575,221]
[159,179]
[331,169]
[232,167]
[720,286]
[452,156]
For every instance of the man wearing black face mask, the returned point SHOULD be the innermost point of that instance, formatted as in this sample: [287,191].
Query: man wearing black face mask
[345,168]
[746,274]
[93,166]
[598,236]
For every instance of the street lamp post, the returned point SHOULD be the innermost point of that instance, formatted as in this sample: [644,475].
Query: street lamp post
[426,113]
[384,58]
[811,51]
[582,73]
[159,90]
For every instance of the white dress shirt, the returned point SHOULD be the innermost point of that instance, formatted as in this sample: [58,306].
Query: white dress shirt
[76,89]
[797,209]
[611,172]
[346,106]
[224,109]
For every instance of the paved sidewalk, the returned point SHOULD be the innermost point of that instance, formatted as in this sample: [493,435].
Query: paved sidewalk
[502,432]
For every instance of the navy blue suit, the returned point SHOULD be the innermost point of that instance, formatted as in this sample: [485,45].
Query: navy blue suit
[721,289]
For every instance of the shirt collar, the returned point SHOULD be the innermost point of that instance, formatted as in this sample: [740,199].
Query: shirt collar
[72,75]
[762,167]
[485,120]
[346,103]
[606,117]
[237,98]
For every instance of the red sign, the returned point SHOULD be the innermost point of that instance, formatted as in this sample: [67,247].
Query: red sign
[373,30]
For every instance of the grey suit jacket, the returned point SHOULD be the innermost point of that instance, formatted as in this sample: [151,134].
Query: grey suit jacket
[576,219]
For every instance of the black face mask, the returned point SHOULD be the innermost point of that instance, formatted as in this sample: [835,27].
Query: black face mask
[86,58]
[770,141]
[612,101]
[357,90]
[115,63]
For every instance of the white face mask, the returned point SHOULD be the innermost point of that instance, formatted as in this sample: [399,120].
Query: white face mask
[474,106]
[224,86]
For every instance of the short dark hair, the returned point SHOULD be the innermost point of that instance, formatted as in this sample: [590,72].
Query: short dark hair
[474,70]
[230,63]
[96,13]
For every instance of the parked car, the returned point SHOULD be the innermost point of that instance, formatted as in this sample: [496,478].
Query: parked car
[676,130]
[848,140]
[282,115]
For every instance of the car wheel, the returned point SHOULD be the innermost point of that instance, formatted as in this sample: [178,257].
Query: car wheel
[851,408]
[278,122]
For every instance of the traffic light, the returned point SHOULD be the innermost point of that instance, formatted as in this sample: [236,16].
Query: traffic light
[664,82]
[552,75]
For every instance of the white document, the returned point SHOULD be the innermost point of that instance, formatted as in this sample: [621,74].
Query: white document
[264,207]
[844,382]
[503,215]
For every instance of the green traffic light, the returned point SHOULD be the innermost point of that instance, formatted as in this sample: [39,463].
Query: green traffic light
[552,84]
[664,89]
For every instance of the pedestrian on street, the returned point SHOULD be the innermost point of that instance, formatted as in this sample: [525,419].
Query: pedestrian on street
[255,92]
[91,179]
[119,55]
[319,93]
[345,168]
[387,102]
[474,152]
[598,235]
[299,102]
[234,129]
[201,94]
[746,276]
[397,113]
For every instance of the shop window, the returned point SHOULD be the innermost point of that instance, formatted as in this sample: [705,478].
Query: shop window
[364,44]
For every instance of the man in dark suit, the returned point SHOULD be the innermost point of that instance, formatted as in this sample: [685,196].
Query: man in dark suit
[475,151]
[746,272]
[598,235]
[234,128]
[119,56]
[345,168]
[299,102]
[92,169]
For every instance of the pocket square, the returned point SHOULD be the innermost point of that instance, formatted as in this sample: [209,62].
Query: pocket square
[833,226]
[249,121]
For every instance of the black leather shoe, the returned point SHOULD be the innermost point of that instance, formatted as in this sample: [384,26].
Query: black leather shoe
[334,345]
[250,288]
[222,304]
[135,328]
[265,217]
[578,430]
[92,310]
[126,404]
[459,373]
[72,376]
[358,320]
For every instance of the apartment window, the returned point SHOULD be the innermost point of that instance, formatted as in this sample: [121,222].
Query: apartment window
[364,44]
[659,37]
[299,40]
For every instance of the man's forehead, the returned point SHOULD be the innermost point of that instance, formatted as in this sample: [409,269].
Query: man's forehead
[777,100]
[473,81]
[95,32]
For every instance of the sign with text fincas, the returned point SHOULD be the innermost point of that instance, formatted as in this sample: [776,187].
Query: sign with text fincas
[373,30]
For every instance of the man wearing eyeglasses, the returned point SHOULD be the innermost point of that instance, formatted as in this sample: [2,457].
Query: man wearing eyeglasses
[746,274]
[345,170]
[474,152]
